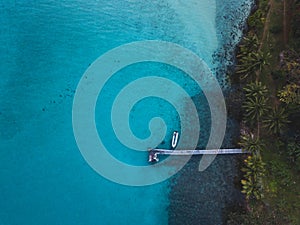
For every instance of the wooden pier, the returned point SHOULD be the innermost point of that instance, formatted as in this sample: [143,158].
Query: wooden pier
[153,153]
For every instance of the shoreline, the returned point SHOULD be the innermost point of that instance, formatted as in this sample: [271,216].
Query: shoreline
[188,190]
[269,145]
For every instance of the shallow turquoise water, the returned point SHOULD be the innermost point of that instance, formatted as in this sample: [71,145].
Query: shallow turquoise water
[45,48]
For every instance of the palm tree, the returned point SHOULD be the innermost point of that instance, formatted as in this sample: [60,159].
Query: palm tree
[250,43]
[254,170]
[252,188]
[257,19]
[276,120]
[253,62]
[251,143]
[255,89]
[255,165]
[255,107]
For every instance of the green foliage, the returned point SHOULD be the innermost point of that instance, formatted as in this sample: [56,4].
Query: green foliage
[255,89]
[257,19]
[249,44]
[276,120]
[290,94]
[291,66]
[280,184]
[272,188]
[252,188]
[254,169]
[264,5]
[279,172]
[251,143]
[255,107]
[252,62]
[255,104]
[293,150]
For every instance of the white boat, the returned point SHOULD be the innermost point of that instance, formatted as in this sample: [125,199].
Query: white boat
[174,139]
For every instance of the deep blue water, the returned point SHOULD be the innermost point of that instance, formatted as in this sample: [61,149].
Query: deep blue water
[46,46]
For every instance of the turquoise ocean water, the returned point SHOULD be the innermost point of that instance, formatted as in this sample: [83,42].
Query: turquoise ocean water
[46,46]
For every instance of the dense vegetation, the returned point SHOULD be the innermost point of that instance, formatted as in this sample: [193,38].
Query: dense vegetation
[268,71]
